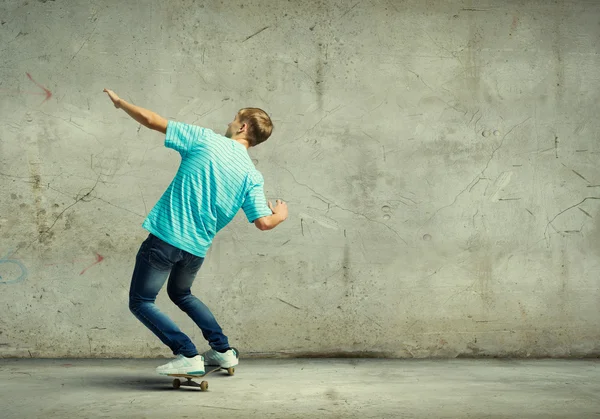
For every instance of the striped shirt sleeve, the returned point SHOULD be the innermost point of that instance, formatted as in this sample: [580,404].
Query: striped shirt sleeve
[255,204]
[181,136]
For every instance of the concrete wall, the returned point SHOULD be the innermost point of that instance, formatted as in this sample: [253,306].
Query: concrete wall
[440,160]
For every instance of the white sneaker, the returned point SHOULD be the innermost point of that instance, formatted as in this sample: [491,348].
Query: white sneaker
[227,359]
[183,365]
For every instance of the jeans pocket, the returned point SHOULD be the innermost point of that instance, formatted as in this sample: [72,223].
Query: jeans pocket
[161,255]
[194,264]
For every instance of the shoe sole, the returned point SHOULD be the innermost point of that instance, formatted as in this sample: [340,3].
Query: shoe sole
[222,366]
[184,372]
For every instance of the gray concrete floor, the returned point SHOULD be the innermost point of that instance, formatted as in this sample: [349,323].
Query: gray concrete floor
[303,388]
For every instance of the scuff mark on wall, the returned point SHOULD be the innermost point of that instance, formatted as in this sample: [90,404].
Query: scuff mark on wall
[12,271]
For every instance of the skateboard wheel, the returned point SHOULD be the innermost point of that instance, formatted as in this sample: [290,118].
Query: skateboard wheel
[204,385]
[230,370]
[176,383]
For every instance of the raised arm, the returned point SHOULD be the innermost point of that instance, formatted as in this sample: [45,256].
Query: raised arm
[145,117]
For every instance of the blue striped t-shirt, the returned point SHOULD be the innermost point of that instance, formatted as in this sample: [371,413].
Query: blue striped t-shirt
[215,179]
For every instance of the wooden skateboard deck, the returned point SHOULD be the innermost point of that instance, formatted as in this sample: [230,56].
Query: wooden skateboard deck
[203,385]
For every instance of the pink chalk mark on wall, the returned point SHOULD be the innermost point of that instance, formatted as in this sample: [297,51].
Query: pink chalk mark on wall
[99,258]
[46,93]
[515,22]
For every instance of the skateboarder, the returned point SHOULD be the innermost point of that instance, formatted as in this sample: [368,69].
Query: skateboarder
[216,178]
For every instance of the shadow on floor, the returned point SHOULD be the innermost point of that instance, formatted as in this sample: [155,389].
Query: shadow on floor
[112,381]
[116,381]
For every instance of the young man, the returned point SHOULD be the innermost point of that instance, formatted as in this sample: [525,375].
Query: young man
[215,179]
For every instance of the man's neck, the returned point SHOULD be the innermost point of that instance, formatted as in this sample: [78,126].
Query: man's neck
[242,141]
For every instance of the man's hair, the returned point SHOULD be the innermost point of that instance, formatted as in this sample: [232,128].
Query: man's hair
[259,124]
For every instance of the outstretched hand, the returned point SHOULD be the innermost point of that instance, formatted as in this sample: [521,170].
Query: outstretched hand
[116,100]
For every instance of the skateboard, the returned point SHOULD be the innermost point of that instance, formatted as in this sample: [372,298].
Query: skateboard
[203,385]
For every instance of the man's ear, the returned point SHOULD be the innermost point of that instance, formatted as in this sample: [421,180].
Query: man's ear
[243,128]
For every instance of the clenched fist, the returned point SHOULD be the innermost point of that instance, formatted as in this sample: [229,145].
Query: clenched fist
[280,209]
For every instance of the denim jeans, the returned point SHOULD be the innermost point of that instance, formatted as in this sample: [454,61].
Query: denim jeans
[156,260]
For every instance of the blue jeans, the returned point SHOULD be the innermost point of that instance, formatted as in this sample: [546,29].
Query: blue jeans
[156,260]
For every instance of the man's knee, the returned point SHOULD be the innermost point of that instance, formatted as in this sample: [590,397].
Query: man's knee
[178,296]
[135,304]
